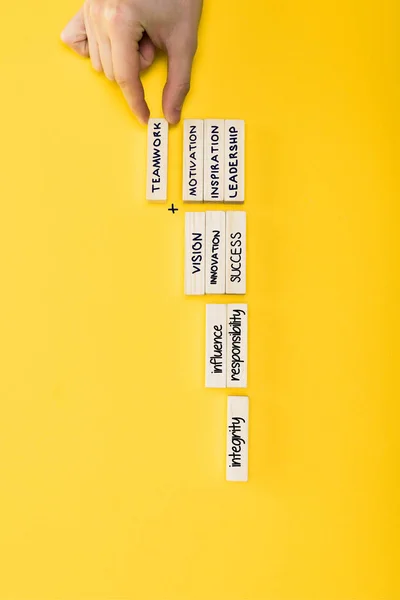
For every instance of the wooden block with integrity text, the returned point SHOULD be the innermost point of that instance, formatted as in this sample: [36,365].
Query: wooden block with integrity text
[237,360]
[214,164]
[216,345]
[236,252]
[193,160]
[215,252]
[234,161]
[157,160]
[237,439]
[195,229]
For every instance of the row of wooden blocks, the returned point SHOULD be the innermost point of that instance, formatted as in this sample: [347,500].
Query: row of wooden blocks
[213,160]
[215,252]
[226,357]
[237,438]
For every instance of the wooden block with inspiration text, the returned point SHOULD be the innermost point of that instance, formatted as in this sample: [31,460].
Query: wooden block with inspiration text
[157,160]
[193,160]
[236,246]
[215,252]
[214,164]
[195,253]
[234,161]
[216,345]
[237,439]
[237,332]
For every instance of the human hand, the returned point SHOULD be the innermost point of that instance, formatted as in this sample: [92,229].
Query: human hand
[121,38]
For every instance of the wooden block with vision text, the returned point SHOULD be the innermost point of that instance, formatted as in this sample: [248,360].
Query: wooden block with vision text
[157,160]
[193,160]
[236,252]
[234,161]
[216,345]
[195,226]
[237,439]
[237,332]
[214,164]
[215,252]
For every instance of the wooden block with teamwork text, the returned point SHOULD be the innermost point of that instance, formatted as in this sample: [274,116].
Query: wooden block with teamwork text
[157,160]
[195,229]
[237,360]
[216,345]
[236,255]
[237,439]
[214,164]
[215,252]
[193,160]
[234,161]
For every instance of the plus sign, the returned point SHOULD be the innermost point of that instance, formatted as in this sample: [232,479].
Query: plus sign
[173,209]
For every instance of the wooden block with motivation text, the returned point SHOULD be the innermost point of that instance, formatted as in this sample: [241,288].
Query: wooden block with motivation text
[215,252]
[214,164]
[193,160]
[236,246]
[216,345]
[195,229]
[234,161]
[157,160]
[237,439]
[237,328]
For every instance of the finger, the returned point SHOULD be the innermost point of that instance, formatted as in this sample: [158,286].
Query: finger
[104,46]
[147,52]
[178,82]
[126,65]
[74,35]
[92,41]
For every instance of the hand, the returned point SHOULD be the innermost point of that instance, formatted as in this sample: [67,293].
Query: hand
[121,38]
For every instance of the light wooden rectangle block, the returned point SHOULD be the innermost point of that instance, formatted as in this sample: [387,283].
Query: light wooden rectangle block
[195,233]
[236,252]
[193,160]
[234,161]
[237,439]
[214,164]
[157,160]
[216,345]
[237,360]
[215,252]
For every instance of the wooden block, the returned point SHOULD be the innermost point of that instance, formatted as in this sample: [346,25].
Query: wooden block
[215,252]
[237,346]
[195,226]
[193,160]
[234,161]
[157,160]
[236,246]
[216,345]
[214,164]
[237,439]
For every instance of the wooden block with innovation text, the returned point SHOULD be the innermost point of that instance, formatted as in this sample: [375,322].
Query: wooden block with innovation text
[193,160]
[216,345]
[157,160]
[237,346]
[234,161]
[215,252]
[236,245]
[214,164]
[237,439]
[195,229]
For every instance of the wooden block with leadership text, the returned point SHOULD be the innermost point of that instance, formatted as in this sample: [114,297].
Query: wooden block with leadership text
[193,160]
[157,160]
[237,439]
[195,229]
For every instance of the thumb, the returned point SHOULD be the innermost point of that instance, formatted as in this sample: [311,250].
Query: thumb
[74,35]
[178,82]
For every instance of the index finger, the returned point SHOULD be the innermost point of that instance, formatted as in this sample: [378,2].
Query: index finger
[126,65]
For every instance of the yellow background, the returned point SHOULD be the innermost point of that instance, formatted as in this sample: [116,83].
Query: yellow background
[111,450]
